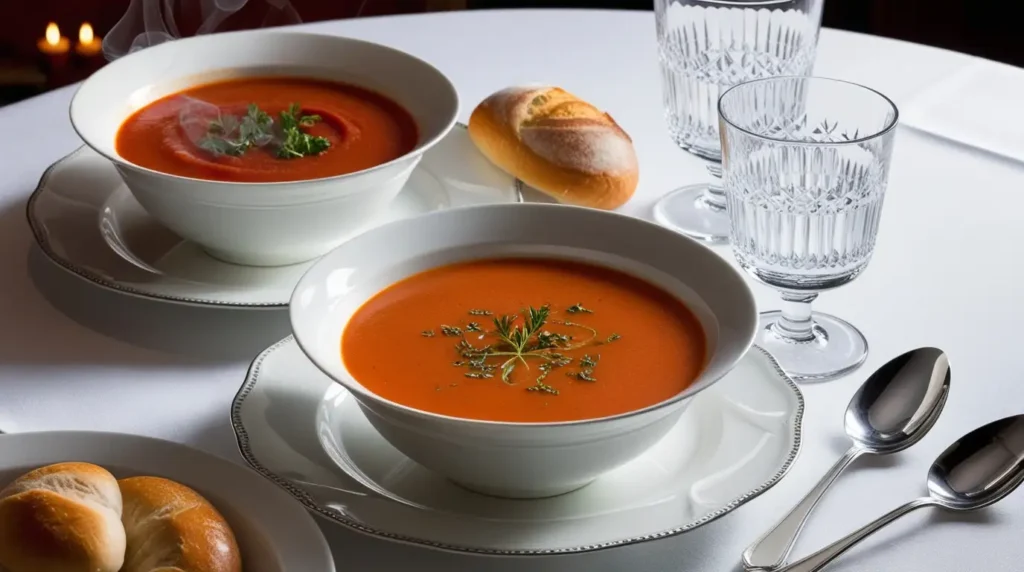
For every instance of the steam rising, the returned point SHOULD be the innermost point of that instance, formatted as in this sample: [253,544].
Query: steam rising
[151,22]
[195,116]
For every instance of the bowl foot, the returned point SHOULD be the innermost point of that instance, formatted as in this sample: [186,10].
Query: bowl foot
[522,494]
[260,260]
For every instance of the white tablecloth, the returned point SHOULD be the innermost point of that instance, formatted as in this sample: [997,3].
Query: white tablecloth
[73,356]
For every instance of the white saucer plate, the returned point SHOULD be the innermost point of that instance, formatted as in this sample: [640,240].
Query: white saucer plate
[306,433]
[274,534]
[86,220]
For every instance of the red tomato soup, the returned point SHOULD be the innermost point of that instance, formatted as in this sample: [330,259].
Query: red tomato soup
[524,340]
[237,130]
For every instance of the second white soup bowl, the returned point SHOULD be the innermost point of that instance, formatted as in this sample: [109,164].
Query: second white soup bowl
[263,224]
[521,460]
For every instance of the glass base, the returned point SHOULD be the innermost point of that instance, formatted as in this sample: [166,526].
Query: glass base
[684,210]
[837,349]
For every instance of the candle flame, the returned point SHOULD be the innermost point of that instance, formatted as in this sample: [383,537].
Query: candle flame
[52,34]
[85,35]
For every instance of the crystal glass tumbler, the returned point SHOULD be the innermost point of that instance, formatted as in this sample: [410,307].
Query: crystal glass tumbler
[805,162]
[706,46]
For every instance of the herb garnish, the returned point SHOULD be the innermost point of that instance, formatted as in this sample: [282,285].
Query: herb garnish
[586,372]
[519,339]
[450,331]
[233,135]
[297,143]
[578,309]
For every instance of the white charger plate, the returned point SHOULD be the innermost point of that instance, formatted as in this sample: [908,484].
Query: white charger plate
[299,429]
[86,220]
[274,533]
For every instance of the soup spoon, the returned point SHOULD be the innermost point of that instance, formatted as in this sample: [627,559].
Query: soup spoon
[978,470]
[894,409]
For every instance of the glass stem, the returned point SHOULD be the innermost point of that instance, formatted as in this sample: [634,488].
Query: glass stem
[714,195]
[796,323]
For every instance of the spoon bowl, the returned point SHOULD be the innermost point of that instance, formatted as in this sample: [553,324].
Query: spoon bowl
[981,468]
[899,403]
[976,471]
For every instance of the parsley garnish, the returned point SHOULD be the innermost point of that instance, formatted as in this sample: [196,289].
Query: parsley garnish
[297,143]
[233,135]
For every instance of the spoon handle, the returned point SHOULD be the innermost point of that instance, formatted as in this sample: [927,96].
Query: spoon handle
[819,559]
[770,551]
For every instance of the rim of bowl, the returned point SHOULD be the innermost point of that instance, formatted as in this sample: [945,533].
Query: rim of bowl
[418,150]
[746,3]
[357,390]
[879,133]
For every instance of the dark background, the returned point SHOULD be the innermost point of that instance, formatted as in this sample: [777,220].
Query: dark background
[979,27]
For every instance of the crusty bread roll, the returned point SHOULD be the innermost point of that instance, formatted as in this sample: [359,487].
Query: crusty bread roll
[557,144]
[171,528]
[62,518]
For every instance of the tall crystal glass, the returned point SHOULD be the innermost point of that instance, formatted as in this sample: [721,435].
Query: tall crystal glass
[805,163]
[706,46]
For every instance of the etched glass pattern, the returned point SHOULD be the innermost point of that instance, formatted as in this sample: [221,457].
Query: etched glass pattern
[803,190]
[805,164]
[705,46]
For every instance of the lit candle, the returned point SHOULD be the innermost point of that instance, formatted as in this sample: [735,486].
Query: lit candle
[55,48]
[88,44]
[54,44]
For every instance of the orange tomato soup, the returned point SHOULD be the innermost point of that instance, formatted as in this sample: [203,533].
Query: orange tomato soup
[363,129]
[610,342]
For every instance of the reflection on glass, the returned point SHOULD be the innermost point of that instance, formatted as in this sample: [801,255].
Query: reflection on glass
[805,164]
[706,46]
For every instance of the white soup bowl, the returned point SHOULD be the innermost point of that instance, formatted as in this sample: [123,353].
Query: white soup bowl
[521,460]
[263,224]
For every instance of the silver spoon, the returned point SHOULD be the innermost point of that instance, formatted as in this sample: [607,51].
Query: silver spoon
[894,409]
[980,469]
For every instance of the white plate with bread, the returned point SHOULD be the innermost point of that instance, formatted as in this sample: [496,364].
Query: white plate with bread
[110,502]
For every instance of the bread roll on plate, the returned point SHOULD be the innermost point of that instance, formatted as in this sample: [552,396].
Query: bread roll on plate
[62,518]
[172,528]
[557,144]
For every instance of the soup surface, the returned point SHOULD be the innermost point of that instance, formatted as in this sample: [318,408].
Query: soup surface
[524,340]
[267,130]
